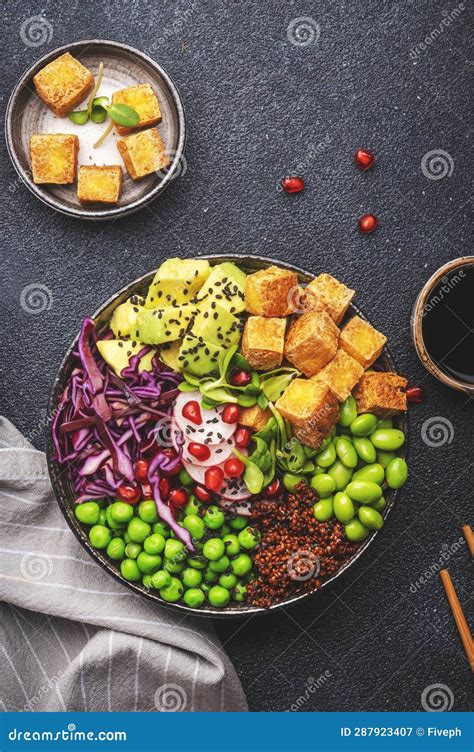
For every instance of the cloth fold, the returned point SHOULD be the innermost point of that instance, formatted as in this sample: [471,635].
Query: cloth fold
[75,639]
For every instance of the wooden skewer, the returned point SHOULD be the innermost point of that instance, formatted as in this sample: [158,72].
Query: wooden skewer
[459,617]
[469,536]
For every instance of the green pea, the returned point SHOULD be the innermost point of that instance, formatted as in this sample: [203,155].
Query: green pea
[388,439]
[355,531]
[213,549]
[173,591]
[185,478]
[346,452]
[364,491]
[210,575]
[291,480]
[239,592]
[170,565]
[364,424]
[218,596]
[324,510]
[340,474]
[323,484]
[241,565]
[327,457]
[225,530]
[228,580]
[175,550]
[397,473]
[110,522]
[370,518]
[323,446]
[154,544]
[380,504]
[205,587]
[249,537]
[126,537]
[88,512]
[220,565]
[160,579]
[193,506]
[194,597]
[194,525]
[238,522]
[162,529]
[116,549]
[383,458]
[120,512]
[132,550]
[232,545]
[214,517]
[347,411]
[374,472]
[191,577]
[197,562]
[146,581]
[343,507]
[138,530]
[365,449]
[385,423]
[99,536]
[147,512]
[130,571]
[102,517]
[147,563]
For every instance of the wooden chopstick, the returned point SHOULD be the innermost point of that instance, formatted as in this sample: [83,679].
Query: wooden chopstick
[469,536]
[459,617]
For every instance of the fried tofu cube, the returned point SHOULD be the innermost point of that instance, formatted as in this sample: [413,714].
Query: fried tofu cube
[263,342]
[270,292]
[328,292]
[361,341]
[311,408]
[312,341]
[143,99]
[381,393]
[143,153]
[54,158]
[341,374]
[63,84]
[99,184]
[254,417]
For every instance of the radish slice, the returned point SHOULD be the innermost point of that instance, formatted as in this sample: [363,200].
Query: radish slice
[242,508]
[213,430]
[197,473]
[234,489]
[219,452]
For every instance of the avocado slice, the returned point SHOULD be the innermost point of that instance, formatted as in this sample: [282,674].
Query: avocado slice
[169,354]
[124,318]
[158,325]
[117,354]
[217,325]
[177,281]
[198,356]
[225,286]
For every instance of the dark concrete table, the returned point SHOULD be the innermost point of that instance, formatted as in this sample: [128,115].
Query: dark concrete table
[260,106]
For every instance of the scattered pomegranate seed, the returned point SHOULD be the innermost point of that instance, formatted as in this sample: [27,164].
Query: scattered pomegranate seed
[293,184]
[231,414]
[214,478]
[164,486]
[171,454]
[200,451]
[147,491]
[179,497]
[130,494]
[241,378]
[368,223]
[364,159]
[140,469]
[192,411]
[415,394]
[202,493]
[242,436]
[274,489]
[233,468]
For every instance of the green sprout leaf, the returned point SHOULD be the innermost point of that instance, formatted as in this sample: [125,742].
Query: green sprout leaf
[98,114]
[79,117]
[123,115]
[100,102]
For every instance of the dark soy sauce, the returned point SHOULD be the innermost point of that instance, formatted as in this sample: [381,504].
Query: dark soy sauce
[448,323]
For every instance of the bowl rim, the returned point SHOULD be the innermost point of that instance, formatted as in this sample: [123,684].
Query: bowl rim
[237,611]
[83,212]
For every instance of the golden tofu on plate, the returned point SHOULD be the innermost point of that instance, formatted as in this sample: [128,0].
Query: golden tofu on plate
[381,393]
[263,342]
[63,84]
[99,184]
[143,153]
[312,341]
[361,341]
[311,408]
[54,158]
[328,292]
[254,417]
[341,374]
[270,292]
[143,99]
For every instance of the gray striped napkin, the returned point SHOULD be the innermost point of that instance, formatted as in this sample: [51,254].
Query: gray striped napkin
[75,639]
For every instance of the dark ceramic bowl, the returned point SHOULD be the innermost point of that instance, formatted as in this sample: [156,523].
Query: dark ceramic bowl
[123,66]
[63,487]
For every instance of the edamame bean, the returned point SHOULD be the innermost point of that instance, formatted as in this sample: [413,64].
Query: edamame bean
[138,530]
[380,504]
[327,457]
[132,550]
[130,571]
[385,423]
[194,525]
[147,512]
[88,512]
[346,452]
[397,473]
[241,565]
[220,565]
[290,481]
[340,474]
[116,549]
[323,484]
[249,537]
[161,528]
[347,412]
[364,491]
[370,518]
[191,577]
[173,591]
[100,536]
[147,563]
[213,549]
[238,523]
[154,544]
[120,512]
[355,531]
[324,510]
[343,507]
[218,596]
[232,545]
[214,517]
[160,579]
[383,458]
[374,472]
[364,424]
[194,597]
[228,580]
[365,449]
[388,439]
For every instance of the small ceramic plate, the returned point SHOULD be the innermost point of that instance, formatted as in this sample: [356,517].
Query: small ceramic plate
[123,66]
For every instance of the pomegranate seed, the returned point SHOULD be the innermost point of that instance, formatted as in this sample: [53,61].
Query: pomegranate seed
[241,378]
[214,478]
[171,455]
[130,494]
[364,159]
[192,411]
[141,470]
[147,491]
[202,493]
[274,489]
[233,468]
[415,394]
[292,184]
[164,486]
[200,451]
[242,437]
[231,414]
[368,223]
[179,497]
